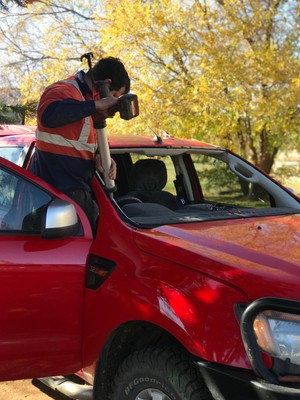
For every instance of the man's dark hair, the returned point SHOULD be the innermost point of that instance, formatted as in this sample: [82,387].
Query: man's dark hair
[112,68]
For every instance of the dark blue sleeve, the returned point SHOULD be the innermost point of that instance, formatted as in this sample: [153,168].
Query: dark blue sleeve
[67,111]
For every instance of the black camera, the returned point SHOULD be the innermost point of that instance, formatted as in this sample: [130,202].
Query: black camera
[128,105]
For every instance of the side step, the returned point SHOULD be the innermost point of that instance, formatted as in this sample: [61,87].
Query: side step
[69,388]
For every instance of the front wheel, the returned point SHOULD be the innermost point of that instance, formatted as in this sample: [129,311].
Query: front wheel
[159,374]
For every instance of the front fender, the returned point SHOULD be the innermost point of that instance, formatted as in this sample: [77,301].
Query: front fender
[195,309]
[200,315]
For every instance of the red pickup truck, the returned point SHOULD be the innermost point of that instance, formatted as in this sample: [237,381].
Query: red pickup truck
[189,289]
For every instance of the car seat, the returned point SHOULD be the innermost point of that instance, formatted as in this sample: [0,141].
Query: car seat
[147,179]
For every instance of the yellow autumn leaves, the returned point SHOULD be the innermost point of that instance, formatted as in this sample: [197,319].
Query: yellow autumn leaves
[226,71]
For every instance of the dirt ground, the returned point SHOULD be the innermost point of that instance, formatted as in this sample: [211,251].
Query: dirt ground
[28,390]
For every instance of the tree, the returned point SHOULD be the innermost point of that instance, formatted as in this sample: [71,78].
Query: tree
[227,70]
[21,3]
[224,71]
[41,44]
[44,42]
[16,114]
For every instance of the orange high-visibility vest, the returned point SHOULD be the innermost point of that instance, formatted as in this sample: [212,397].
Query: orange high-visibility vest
[77,139]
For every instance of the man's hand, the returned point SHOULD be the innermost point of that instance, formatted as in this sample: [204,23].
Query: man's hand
[106,108]
[112,174]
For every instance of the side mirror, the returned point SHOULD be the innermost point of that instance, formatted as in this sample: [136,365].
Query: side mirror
[60,220]
[291,190]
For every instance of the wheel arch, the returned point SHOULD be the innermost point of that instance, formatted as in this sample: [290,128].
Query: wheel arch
[127,338]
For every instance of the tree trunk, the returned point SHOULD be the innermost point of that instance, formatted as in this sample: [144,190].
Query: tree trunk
[266,160]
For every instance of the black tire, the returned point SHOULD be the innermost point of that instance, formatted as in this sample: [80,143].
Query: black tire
[159,373]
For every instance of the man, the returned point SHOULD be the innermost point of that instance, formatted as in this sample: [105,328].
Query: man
[66,142]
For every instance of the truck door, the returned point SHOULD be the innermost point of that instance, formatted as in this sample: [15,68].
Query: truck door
[42,282]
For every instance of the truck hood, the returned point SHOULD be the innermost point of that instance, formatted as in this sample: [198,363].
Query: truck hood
[260,256]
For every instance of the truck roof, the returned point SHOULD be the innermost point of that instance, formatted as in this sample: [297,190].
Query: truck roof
[135,141]
[26,134]
[7,130]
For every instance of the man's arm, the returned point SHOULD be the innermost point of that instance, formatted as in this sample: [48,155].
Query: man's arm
[67,111]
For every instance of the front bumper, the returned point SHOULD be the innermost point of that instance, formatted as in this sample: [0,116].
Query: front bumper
[230,383]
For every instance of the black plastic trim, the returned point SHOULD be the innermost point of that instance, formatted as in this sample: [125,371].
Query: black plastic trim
[232,383]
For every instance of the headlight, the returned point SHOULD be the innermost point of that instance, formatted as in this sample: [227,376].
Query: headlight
[272,326]
[278,334]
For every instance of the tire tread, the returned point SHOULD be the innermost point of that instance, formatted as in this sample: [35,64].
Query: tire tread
[173,364]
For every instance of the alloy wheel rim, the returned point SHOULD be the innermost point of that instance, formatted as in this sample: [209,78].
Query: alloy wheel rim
[152,394]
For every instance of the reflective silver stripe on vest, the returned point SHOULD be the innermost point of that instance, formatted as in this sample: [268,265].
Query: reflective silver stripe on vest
[81,143]
[61,141]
